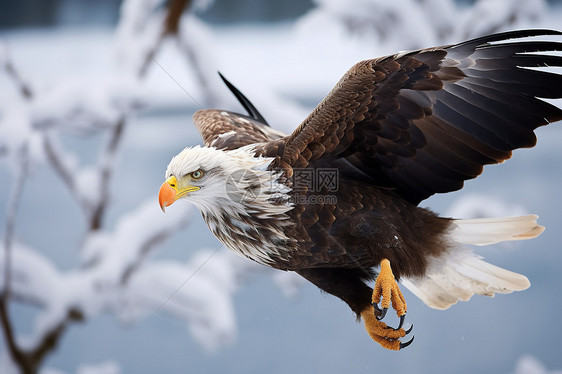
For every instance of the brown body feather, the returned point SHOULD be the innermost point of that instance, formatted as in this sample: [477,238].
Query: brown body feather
[365,225]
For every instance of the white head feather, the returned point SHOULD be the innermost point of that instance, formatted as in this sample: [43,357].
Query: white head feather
[227,174]
[236,189]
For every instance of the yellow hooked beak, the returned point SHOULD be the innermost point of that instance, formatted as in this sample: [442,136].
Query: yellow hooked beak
[169,192]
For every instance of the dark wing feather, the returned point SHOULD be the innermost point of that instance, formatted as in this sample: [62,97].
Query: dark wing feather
[247,104]
[425,121]
[227,130]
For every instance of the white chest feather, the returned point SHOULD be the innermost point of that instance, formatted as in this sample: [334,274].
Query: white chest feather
[262,240]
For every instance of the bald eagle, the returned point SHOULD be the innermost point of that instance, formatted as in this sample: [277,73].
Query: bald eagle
[337,199]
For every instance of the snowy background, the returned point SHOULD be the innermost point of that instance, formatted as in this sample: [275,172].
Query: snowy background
[100,281]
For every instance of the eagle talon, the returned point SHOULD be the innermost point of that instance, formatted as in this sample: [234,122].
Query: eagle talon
[404,345]
[384,335]
[381,313]
[410,330]
[401,323]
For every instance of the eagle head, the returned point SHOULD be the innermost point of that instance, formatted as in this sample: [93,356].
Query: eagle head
[217,180]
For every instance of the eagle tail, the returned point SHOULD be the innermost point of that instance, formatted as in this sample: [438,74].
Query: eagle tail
[484,231]
[459,273]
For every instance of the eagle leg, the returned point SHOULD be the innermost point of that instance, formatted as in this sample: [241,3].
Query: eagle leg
[387,288]
[387,337]
[347,284]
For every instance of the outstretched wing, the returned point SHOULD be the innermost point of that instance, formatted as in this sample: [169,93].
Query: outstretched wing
[422,122]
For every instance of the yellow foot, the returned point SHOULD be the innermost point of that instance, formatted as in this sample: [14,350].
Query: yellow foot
[387,337]
[387,287]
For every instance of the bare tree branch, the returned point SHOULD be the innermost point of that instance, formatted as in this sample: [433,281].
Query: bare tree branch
[171,27]
[11,71]
[15,200]
[107,163]
[58,164]
[175,10]
[51,338]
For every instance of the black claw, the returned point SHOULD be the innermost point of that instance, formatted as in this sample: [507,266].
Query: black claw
[410,329]
[379,313]
[402,317]
[404,345]
[382,313]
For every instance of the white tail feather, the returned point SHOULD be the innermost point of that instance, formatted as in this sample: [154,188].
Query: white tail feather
[484,231]
[459,273]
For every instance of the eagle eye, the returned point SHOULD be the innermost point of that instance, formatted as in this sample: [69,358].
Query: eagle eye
[197,174]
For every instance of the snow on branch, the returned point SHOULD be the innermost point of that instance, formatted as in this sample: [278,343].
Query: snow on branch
[138,34]
[202,290]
